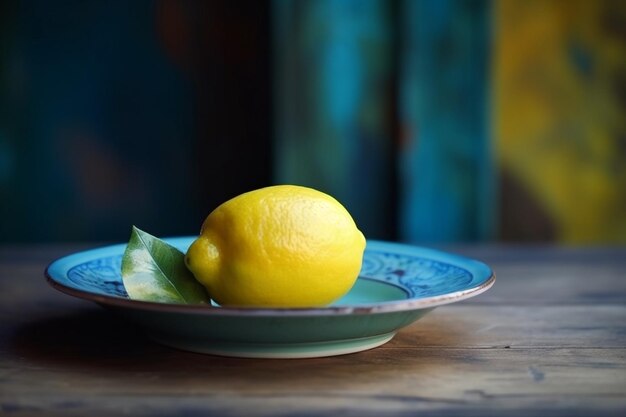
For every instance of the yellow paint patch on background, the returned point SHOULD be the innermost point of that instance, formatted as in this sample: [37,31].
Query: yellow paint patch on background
[558,119]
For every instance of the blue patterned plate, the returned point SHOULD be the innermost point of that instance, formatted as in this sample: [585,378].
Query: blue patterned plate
[397,285]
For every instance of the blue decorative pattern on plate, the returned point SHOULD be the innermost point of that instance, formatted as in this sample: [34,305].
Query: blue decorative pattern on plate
[420,277]
[101,275]
[397,285]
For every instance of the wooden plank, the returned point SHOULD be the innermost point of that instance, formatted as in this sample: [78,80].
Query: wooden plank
[39,253]
[541,254]
[451,360]
[533,345]
[286,405]
[393,381]
[478,326]
[551,275]
[447,327]
[552,284]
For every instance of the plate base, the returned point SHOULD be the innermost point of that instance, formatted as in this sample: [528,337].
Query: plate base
[278,351]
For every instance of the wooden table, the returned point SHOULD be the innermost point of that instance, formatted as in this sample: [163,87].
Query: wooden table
[548,339]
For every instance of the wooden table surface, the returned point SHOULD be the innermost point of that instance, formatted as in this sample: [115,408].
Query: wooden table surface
[548,339]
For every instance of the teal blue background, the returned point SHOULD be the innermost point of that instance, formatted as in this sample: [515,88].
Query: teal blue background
[120,113]
[152,113]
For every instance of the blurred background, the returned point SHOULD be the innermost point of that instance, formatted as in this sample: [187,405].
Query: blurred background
[431,121]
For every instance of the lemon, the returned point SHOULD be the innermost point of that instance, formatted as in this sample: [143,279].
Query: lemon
[279,246]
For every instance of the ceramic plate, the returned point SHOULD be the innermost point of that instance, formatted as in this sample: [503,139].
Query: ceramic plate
[397,285]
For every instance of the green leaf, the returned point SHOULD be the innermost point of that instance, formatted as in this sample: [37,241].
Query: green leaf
[152,270]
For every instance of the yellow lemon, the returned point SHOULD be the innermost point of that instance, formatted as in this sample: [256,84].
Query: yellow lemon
[280,246]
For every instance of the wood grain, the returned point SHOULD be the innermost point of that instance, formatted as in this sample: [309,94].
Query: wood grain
[516,350]
[478,326]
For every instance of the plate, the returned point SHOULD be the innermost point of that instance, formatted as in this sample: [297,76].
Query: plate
[397,285]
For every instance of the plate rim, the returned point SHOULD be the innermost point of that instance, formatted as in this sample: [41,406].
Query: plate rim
[394,306]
